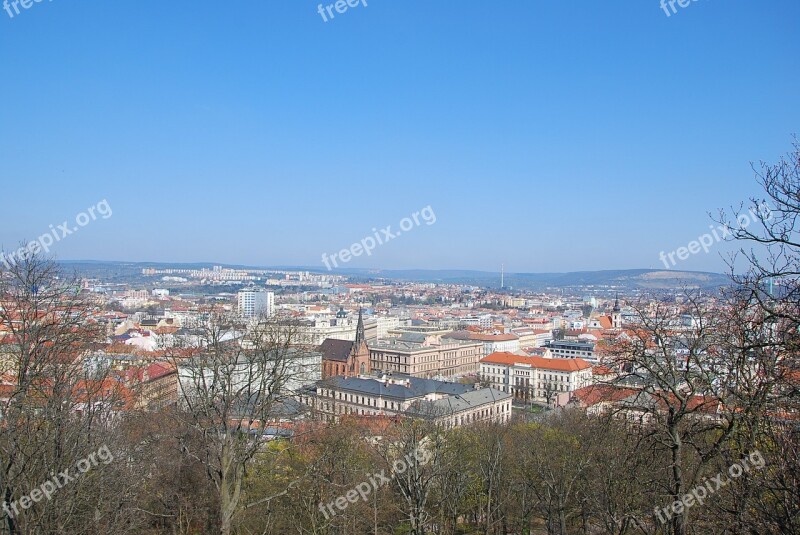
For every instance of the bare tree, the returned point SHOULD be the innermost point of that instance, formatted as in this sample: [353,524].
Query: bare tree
[412,454]
[770,259]
[698,386]
[58,405]
[231,392]
[554,464]
[772,263]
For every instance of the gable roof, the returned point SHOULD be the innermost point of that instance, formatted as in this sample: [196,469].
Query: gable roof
[338,350]
[458,402]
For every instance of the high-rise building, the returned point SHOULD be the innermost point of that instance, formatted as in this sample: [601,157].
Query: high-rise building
[255,302]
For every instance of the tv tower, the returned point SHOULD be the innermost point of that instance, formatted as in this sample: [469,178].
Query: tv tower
[502,276]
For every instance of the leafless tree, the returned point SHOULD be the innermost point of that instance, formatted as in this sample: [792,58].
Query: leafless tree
[412,457]
[57,405]
[769,259]
[699,386]
[231,392]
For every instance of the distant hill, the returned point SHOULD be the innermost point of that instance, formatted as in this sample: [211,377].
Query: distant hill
[642,279]
[630,279]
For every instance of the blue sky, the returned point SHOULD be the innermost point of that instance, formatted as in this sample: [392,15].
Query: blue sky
[548,135]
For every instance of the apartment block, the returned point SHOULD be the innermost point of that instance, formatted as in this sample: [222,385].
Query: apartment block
[569,349]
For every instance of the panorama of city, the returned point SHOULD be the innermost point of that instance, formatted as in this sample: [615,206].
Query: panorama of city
[371,267]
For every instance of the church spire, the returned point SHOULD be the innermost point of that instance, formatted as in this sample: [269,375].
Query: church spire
[360,329]
[616,314]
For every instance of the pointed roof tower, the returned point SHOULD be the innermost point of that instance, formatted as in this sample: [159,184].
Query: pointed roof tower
[360,329]
[616,314]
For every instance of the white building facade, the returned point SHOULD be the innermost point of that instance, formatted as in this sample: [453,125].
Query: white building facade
[253,303]
[534,378]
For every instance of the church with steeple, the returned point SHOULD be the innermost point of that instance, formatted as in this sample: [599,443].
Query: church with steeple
[616,315]
[343,357]
[609,322]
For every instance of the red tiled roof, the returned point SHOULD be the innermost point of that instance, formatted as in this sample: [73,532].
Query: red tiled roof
[562,365]
[594,394]
[601,370]
[158,370]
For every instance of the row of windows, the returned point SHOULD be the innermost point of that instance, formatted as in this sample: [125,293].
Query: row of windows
[446,368]
[361,400]
[343,409]
[391,405]
[419,359]
[549,377]
[572,353]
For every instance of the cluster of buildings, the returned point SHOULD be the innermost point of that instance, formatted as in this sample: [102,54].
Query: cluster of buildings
[422,369]
[454,354]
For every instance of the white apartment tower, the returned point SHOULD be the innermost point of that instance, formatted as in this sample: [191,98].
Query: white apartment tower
[255,302]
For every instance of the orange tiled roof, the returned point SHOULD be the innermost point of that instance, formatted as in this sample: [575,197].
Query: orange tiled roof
[601,370]
[594,394]
[562,365]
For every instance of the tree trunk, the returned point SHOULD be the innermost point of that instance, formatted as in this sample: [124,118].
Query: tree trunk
[678,521]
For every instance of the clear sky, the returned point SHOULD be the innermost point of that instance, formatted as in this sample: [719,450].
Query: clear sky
[548,135]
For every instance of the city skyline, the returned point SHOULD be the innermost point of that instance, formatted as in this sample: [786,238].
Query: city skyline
[367,266]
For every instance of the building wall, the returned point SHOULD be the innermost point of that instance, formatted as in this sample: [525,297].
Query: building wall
[252,303]
[534,384]
[448,360]
[331,404]
[510,346]
[158,393]
[314,335]
[358,363]
[499,411]
[571,350]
